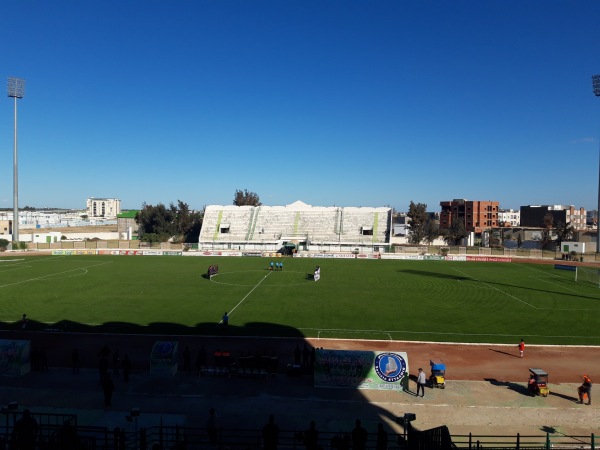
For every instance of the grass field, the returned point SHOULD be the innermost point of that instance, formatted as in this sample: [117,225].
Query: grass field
[360,299]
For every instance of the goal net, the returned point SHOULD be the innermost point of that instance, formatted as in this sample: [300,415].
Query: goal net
[587,275]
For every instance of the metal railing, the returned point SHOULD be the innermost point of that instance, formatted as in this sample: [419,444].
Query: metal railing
[61,432]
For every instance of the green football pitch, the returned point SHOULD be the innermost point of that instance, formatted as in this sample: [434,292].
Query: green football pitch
[354,299]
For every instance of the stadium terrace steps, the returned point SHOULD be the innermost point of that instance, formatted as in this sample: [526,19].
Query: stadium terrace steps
[305,222]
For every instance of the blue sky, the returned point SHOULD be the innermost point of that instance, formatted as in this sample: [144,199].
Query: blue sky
[349,103]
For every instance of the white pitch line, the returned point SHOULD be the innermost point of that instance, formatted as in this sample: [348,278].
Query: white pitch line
[52,275]
[499,290]
[247,295]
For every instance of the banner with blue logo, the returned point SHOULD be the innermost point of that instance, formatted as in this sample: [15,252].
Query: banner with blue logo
[15,357]
[361,369]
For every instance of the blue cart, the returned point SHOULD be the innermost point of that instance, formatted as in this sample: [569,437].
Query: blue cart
[438,374]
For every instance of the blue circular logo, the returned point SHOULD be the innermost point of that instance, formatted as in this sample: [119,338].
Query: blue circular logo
[390,367]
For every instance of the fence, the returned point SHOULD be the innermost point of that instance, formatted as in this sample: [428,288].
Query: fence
[61,432]
[408,249]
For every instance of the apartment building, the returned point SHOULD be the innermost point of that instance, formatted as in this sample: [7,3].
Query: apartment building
[509,218]
[533,215]
[476,215]
[107,208]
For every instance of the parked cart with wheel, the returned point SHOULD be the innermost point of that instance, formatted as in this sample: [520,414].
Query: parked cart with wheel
[538,382]
[438,374]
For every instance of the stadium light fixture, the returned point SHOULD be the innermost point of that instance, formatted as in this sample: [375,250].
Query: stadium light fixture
[16,90]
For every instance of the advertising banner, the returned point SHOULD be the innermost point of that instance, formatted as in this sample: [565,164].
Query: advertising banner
[15,357]
[361,369]
[164,358]
[488,259]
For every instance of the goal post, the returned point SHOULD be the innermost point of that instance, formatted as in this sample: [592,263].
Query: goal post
[587,275]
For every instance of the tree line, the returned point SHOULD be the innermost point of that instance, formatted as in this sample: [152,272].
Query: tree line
[177,222]
[422,228]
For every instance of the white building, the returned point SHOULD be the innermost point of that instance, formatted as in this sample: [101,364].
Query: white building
[107,208]
[509,216]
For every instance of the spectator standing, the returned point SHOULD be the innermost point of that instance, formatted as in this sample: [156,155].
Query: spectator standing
[108,387]
[24,322]
[421,381]
[211,427]
[103,368]
[270,434]
[126,366]
[305,357]
[311,437]
[75,361]
[25,432]
[187,359]
[116,362]
[382,438]
[359,437]
[297,355]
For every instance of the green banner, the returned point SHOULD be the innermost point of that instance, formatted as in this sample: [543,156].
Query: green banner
[361,369]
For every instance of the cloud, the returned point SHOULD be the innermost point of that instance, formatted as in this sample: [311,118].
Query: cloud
[585,140]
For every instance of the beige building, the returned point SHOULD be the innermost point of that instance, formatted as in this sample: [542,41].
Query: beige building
[5,229]
[107,208]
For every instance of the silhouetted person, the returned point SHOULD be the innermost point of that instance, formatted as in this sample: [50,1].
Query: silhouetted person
[119,438]
[103,368]
[340,443]
[25,432]
[104,352]
[75,361]
[108,387]
[126,366]
[187,359]
[311,437]
[297,355]
[359,437]
[116,362]
[270,434]
[67,436]
[43,359]
[305,357]
[382,438]
[200,360]
[211,427]
[24,322]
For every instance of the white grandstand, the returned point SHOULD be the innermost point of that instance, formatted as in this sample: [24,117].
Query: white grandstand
[299,226]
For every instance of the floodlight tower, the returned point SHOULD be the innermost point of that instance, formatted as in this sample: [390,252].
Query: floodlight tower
[16,90]
[596,87]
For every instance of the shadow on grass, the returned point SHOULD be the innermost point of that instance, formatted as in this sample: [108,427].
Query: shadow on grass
[256,329]
[425,273]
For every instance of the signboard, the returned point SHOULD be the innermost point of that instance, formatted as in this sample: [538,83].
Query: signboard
[361,369]
[164,358]
[14,357]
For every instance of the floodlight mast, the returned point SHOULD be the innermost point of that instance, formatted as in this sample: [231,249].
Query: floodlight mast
[16,90]
[596,87]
